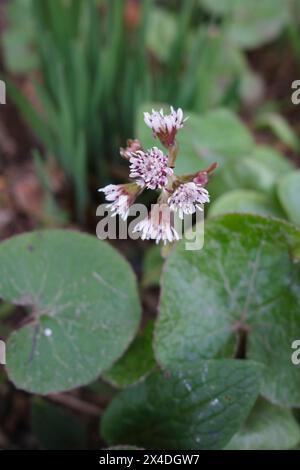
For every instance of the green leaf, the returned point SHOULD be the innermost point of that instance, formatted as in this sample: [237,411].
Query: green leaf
[161,29]
[273,159]
[215,136]
[269,427]
[55,428]
[251,24]
[84,308]
[136,363]
[242,200]
[241,289]
[288,190]
[217,132]
[199,407]
[280,127]
[260,171]
[152,267]
[251,87]
[246,173]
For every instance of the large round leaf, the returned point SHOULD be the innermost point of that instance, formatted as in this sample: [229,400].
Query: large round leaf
[84,308]
[197,408]
[240,291]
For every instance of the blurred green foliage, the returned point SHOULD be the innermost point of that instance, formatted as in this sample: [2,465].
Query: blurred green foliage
[99,60]
[93,73]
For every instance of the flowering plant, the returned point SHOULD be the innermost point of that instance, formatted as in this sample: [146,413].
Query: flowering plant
[153,169]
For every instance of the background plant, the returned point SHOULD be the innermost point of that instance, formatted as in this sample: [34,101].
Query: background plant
[98,62]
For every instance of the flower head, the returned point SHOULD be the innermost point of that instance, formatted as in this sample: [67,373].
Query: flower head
[187,198]
[165,127]
[153,169]
[158,225]
[150,168]
[121,197]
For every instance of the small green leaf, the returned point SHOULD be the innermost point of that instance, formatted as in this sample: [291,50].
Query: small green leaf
[268,427]
[251,24]
[288,190]
[280,127]
[136,363]
[243,285]
[242,200]
[200,407]
[161,30]
[84,308]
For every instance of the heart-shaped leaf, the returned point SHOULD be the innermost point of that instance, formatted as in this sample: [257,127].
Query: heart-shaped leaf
[239,295]
[84,308]
[198,408]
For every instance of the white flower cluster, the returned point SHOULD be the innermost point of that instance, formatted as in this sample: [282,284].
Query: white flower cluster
[151,170]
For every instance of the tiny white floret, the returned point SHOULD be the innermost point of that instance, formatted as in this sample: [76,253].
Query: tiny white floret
[187,198]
